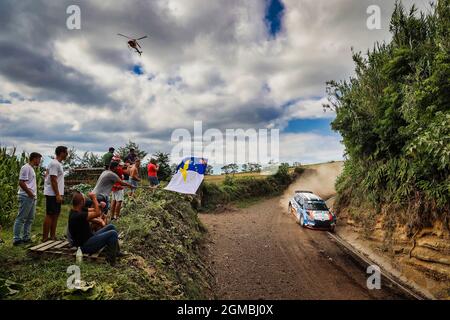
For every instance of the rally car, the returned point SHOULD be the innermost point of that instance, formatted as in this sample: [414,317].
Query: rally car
[311,211]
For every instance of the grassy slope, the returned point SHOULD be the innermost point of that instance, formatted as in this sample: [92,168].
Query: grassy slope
[163,235]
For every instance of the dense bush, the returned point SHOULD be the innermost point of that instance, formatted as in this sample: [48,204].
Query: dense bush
[394,117]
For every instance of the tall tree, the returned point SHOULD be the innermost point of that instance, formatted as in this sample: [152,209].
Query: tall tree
[124,150]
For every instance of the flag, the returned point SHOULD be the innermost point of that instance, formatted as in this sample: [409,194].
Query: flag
[189,175]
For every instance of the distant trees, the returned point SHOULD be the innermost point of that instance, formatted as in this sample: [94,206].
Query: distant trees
[91,160]
[165,170]
[251,167]
[124,150]
[230,168]
[209,170]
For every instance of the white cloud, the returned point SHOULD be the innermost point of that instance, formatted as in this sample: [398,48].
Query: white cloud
[231,75]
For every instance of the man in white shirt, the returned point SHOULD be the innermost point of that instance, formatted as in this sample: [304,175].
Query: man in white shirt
[54,192]
[27,200]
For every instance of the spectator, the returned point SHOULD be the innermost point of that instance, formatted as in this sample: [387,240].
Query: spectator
[131,157]
[134,176]
[81,233]
[27,200]
[54,192]
[107,157]
[152,171]
[118,193]
[106,182]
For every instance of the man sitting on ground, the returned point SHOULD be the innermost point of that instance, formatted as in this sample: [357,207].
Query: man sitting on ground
[80,230]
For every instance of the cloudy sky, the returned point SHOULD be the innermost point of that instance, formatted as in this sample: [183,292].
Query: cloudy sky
[228,63]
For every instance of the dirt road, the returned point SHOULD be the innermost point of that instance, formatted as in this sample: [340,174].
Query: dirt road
[260,252]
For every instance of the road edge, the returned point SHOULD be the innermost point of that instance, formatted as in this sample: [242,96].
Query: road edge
[365,261]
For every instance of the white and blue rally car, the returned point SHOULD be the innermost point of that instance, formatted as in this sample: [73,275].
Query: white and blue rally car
[311,211]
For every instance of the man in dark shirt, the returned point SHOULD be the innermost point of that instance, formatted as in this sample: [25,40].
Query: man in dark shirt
[81,233]
[131,157]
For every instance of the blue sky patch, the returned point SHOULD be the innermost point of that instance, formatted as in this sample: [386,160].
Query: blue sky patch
[274,16]
[137,70]
[319,126]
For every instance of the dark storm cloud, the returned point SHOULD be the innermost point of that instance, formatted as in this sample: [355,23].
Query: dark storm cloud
[29,128]
[60,83]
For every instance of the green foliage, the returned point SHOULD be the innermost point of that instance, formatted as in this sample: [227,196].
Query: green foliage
[123,151]
[245,188]
[10,165]
[163,228]
[230,168]
[165,170]
[251,167]
[91,160]
[394,117]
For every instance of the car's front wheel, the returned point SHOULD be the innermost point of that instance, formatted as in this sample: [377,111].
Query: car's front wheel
[302,220]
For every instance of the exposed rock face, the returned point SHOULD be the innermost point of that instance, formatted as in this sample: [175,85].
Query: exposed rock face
[423,258]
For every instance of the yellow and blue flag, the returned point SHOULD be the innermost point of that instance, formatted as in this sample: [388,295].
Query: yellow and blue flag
[189,175]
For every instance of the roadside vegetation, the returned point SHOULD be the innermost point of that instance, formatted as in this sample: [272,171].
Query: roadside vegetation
[160,230]
[394,117]
[245,188]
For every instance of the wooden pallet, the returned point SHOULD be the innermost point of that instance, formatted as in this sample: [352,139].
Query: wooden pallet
[62,248]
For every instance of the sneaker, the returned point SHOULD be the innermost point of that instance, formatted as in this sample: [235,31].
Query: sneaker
[122,254]
[27,241]
[17,242]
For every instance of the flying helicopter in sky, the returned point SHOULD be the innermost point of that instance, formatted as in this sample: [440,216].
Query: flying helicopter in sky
[133,43]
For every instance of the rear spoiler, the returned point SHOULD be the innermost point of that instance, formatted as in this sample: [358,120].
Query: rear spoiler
[303,191]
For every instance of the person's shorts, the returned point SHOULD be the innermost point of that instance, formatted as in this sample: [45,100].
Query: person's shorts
[134,183]
[52,208]
[117,195]
[153,181]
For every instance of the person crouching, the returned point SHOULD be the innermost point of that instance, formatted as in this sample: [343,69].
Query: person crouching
[81,232]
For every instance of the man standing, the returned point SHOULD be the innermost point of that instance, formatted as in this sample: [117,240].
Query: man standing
[27,200]
[118,193]
[152,171]
[106,181]
[107,157]
[131,157]
[54,192]
[134,176]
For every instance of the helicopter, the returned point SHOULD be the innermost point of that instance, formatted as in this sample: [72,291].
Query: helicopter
[133,43]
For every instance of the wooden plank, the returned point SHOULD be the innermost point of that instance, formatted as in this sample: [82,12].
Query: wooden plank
[41,245]
[50,245]
[62,245]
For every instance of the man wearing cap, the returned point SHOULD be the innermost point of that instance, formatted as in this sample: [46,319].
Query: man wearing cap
[107,157]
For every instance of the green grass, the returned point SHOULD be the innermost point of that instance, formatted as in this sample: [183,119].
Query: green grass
[162,233]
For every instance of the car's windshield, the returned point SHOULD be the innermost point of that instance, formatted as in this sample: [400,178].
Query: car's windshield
[316,205]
